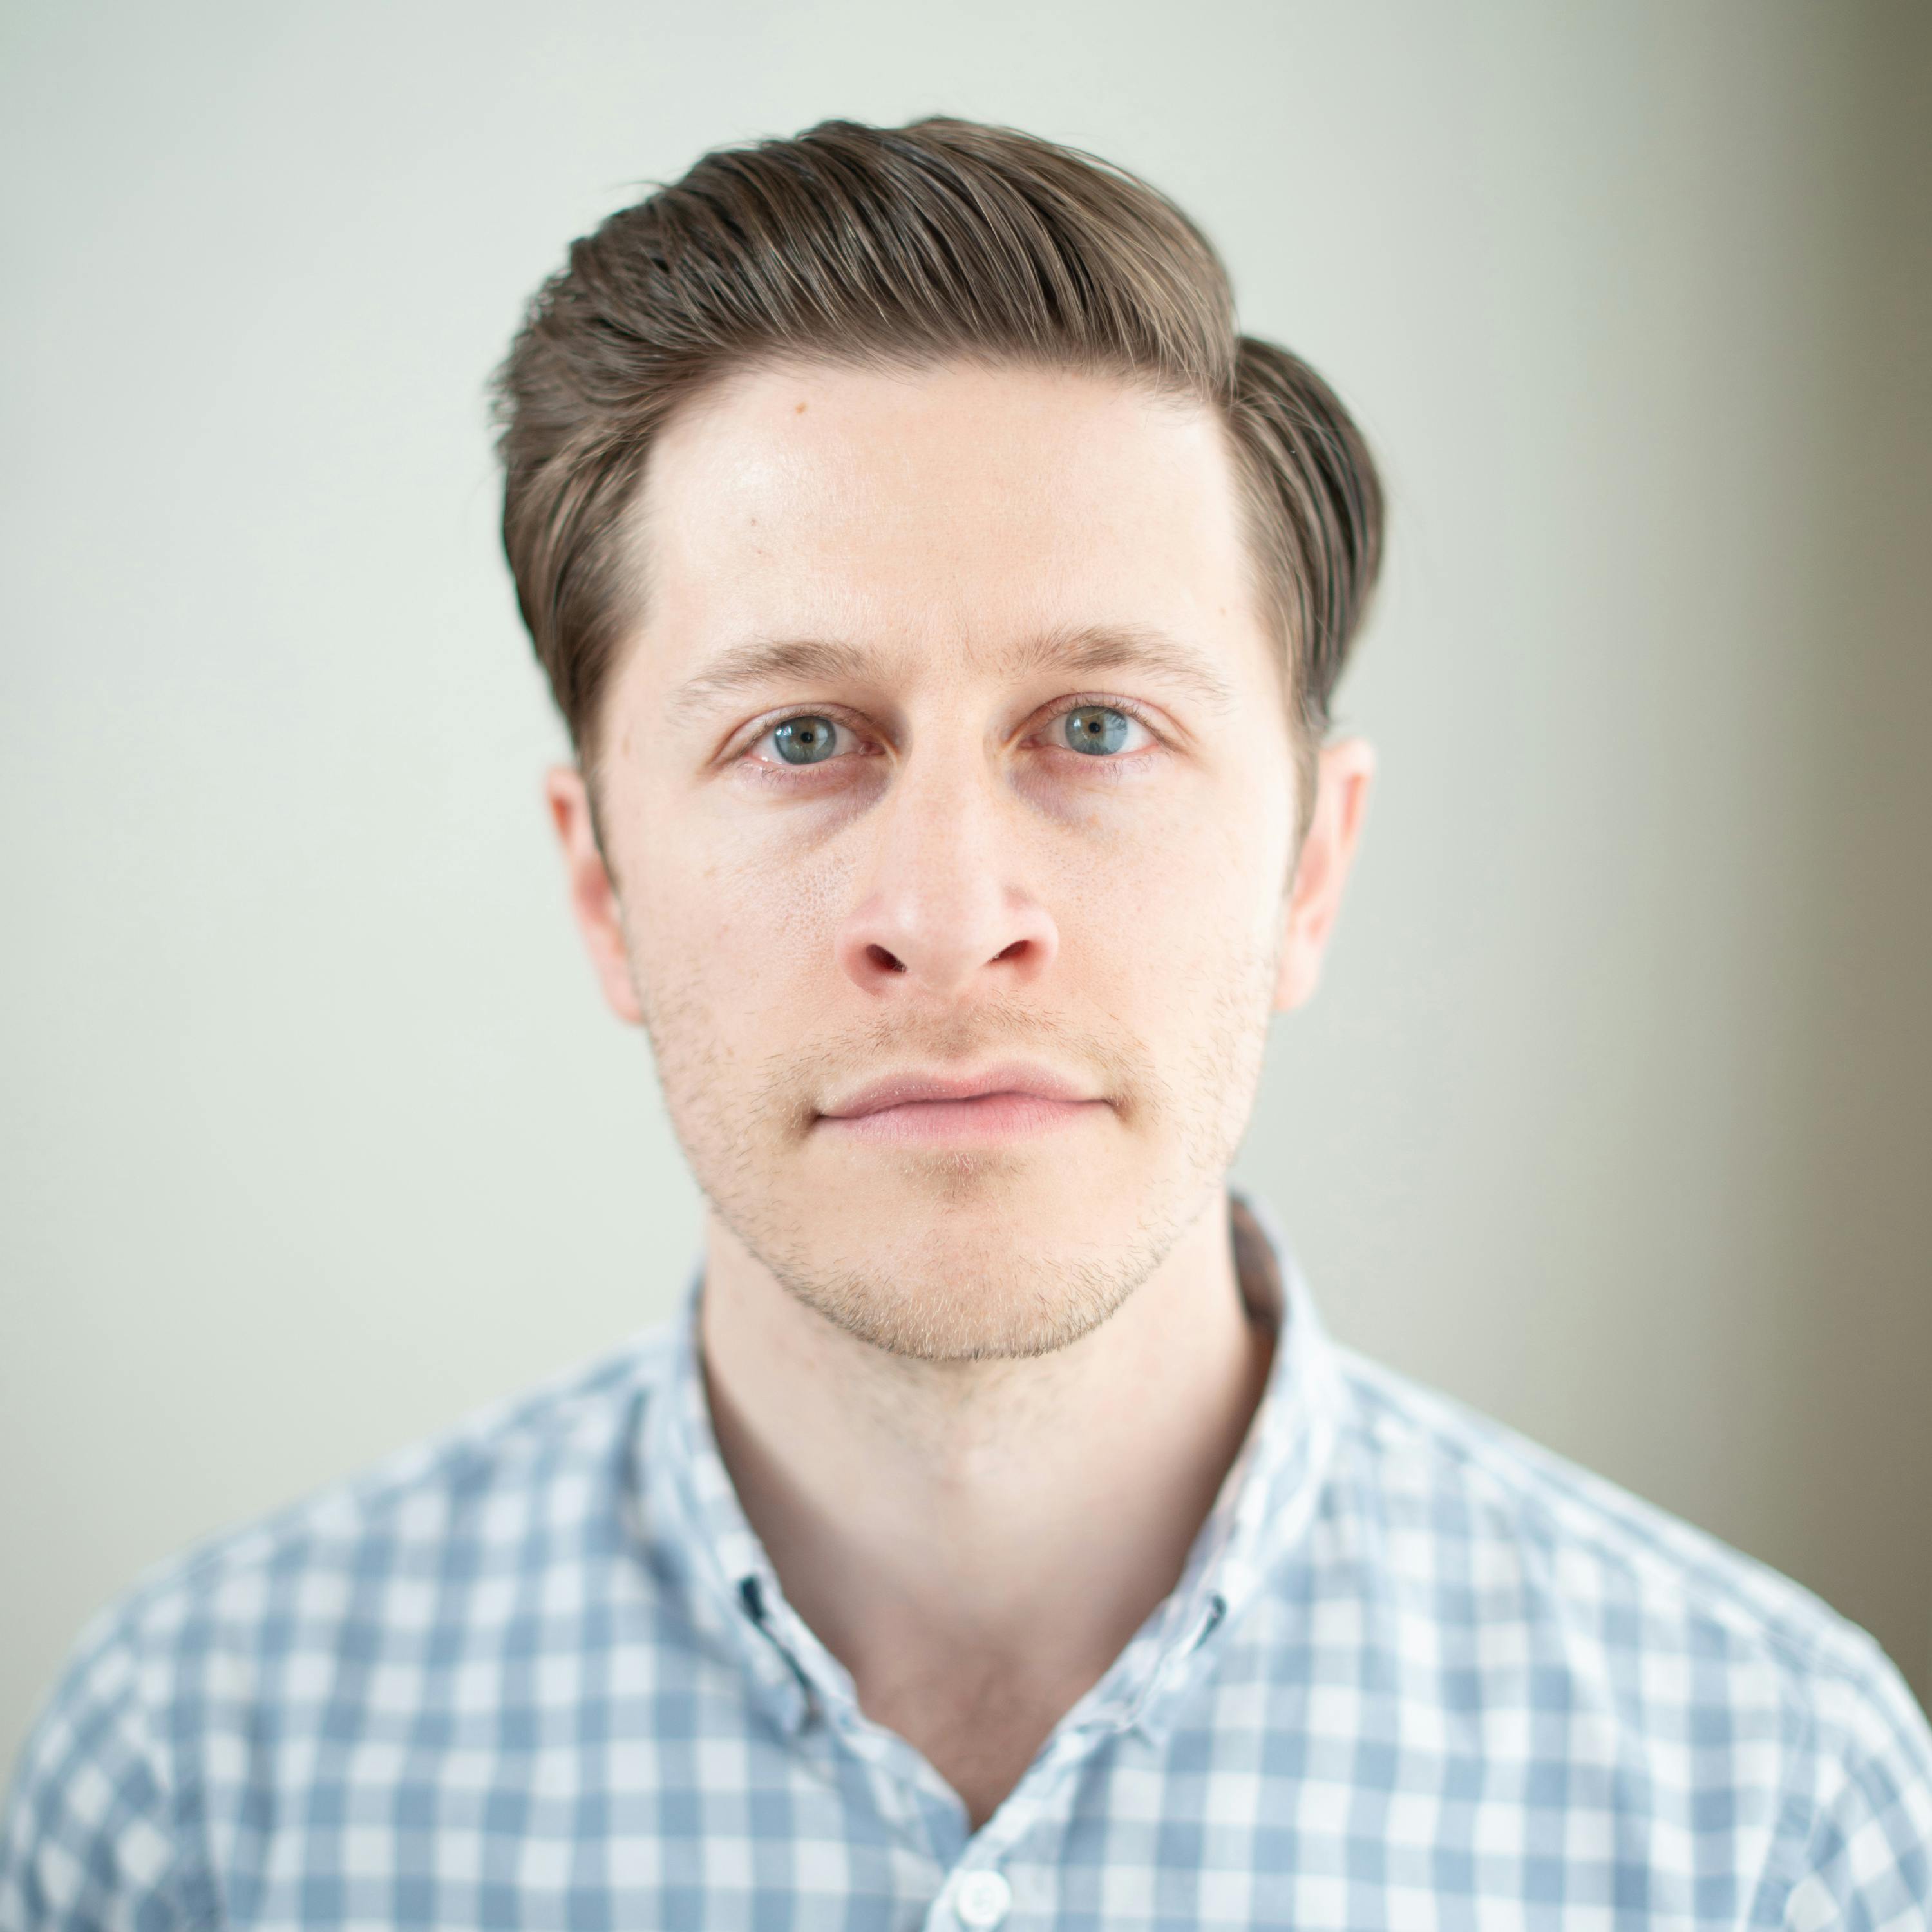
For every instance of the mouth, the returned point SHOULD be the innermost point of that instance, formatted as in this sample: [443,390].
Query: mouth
[1004,1103]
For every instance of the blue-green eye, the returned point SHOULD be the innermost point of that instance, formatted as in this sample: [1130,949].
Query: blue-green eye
[804,741]
[1096,728]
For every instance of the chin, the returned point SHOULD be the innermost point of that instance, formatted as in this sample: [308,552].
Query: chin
[957,1290]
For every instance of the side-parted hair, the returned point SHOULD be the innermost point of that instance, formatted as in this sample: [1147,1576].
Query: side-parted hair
[899,248]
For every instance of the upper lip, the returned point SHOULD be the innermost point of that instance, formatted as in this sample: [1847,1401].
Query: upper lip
[899,1089]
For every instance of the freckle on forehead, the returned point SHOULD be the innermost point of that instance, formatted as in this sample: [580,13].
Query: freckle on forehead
[799,410]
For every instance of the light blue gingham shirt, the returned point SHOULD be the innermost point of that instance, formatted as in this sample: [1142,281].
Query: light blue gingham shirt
[539,1673]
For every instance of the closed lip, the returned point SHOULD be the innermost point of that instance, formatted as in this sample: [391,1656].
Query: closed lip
[902,1090]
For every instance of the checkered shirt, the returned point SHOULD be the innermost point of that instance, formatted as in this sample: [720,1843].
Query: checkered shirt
[1417,1672]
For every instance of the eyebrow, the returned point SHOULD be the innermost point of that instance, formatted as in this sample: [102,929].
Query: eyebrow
[766,661]
[1097,647]
[1129,647]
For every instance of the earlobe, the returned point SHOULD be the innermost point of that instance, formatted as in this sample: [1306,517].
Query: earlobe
[1345,771]
[593,896]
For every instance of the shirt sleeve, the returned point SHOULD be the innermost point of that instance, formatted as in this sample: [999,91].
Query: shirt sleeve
[86,1840]
[1868,1866]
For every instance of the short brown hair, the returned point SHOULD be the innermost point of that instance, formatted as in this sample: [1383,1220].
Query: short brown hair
[898,248]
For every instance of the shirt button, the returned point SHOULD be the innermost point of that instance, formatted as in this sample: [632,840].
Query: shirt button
[983,1899]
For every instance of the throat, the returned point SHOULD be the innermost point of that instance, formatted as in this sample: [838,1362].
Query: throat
[978,1726]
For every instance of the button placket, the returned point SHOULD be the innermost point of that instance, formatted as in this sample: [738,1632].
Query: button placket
[982,1899]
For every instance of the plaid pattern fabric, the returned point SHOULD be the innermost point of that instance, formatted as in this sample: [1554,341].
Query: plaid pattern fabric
[1417,1673]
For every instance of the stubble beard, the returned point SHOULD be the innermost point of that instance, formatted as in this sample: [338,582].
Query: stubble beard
[959,1284]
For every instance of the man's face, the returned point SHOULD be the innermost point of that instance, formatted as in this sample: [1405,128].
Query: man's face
[951,747]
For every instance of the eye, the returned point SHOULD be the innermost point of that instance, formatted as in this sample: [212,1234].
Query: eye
[805,740]
[1097,728]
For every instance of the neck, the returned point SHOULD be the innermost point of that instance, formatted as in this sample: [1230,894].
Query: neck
[1015,1520]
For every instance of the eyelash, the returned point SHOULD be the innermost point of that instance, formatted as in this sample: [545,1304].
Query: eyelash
[1126,707]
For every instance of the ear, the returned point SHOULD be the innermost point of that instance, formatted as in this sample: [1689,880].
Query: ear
[1344,771]
[593,899]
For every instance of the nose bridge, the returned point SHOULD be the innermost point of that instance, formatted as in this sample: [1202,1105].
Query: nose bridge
[944,815]
[945,896]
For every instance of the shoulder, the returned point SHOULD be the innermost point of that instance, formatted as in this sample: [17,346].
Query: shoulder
[1547,1589]
[296,1614]
[467,1500]
[1584,1543]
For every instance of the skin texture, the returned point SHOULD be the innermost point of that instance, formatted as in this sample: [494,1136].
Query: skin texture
[977,1395]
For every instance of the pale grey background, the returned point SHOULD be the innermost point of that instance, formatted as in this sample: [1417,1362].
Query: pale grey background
[1613,1117]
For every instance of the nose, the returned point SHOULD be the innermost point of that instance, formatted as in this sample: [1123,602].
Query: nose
[944,912]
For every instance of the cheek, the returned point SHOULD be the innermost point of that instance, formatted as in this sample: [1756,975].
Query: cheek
[731,936]
[1195,902]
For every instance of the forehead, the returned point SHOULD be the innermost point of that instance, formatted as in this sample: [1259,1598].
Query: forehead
[940,514]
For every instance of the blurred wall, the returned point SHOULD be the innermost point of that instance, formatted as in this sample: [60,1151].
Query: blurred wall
[1612,1117]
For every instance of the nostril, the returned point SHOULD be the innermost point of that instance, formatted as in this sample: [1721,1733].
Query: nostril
[1007,952]
[880,957]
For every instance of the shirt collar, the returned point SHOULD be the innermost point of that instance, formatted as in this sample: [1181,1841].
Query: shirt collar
[697,1531]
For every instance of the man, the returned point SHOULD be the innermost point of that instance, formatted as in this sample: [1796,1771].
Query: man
[944,602]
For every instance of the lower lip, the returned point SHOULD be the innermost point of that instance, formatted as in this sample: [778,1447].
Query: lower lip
[986,1117]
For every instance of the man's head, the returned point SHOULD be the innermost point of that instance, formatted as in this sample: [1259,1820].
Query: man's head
[944,602]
